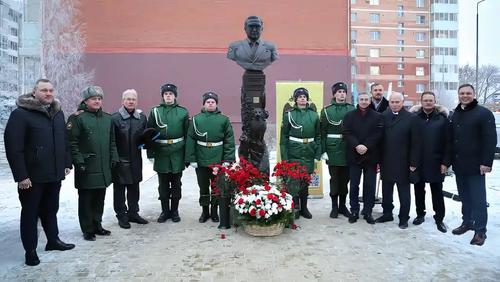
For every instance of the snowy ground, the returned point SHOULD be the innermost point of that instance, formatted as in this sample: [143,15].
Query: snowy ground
[322,249]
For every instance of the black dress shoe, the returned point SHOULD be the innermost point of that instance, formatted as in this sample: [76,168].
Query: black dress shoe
[136,218]
[441,226]
[164,216]
[419,220]
[102,232]
[123,222]
[175,216]
[89,236]
[384,218]
[353,218]
[204,217]
[369,219]
[58,245]
[31,258]
[461,229]
[478,239]
[344,211]
[403,225]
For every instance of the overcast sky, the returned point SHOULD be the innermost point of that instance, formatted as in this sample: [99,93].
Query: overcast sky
[489,32]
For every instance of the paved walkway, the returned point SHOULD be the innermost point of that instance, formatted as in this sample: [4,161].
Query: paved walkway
[322,249]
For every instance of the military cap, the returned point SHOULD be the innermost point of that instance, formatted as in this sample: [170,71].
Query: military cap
[210,95]
[337,86]
[91,91]
[300,91]
[169,87]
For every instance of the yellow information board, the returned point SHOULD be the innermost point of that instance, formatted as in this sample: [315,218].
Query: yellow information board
[284,91]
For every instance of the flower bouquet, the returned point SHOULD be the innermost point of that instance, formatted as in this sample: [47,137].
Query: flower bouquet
[264,210]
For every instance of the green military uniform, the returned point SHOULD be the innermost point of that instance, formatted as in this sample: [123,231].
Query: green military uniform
[210,140]
[93,149]
[168,152]
[334,146]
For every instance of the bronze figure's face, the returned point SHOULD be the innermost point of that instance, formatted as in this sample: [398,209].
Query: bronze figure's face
[253,28]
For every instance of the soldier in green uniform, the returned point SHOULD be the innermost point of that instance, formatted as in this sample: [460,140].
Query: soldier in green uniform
[210,140]
[91,136]
[171,121]
[333,146]
[300,141]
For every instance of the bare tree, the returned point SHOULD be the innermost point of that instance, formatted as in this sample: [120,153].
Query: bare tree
[488,81]
[63,46]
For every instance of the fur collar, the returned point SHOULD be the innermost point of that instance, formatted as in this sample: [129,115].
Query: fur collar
[125,115]
[438,109]
[29,102]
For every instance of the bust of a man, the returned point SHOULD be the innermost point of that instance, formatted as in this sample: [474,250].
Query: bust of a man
[253,53]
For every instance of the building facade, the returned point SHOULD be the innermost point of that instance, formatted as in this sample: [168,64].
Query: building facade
[390,44]
[10,29]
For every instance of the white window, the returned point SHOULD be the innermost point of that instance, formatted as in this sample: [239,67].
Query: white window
[420,88]
[374,70]
[401,66]
[353,1]
[374,53]
[400,11]
[420,54]
[353,69]
[419,71]
[375,35]
[354,34]
[374,2]
[420,19]
[401,30]
[374,18]
[420,3]
[353,52]
[420,36]
[401,83]
[354,16]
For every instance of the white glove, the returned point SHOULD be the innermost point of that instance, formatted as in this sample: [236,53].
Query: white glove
[151,160]
[225,164]
[324,156]
[193,165]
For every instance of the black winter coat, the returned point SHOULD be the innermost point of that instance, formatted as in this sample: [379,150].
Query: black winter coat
[474,138]
[381,107]
[435,138]
[128,130]
[35,141]
[366,129]
[401,146]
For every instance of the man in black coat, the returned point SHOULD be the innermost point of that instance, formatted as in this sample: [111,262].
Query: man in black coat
[435,130]
[474,142]
[129,123]
[401,153]
[378,102]
[363,131]
[39,159]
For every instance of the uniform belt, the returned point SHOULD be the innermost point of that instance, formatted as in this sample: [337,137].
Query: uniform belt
[169,141]
[301,140]
[337,136]
[210,144]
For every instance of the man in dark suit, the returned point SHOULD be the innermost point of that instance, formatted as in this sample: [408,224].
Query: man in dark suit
[39,159]
[401,153]
[363,131]
[474,142]
[378,102]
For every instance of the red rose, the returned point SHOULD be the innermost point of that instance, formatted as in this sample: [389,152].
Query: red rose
[258,202]
[294,226]
[254,191]
[262,212]
[267,187]
[252,212]
[270,196]
[293,205]
[241,201]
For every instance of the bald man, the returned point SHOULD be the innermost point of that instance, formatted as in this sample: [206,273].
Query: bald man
[400,155]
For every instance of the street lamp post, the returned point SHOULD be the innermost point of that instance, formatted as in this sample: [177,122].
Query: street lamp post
[477,41]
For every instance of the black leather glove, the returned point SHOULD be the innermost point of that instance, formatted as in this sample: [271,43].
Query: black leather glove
[81,168]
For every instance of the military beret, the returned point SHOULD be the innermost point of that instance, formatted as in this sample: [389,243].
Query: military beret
[210,95]
[91,91]
[337,86]
[300,91]
[169,87]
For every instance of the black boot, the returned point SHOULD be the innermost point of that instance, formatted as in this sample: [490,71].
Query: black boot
[31,258]
[224,203]
[335,207]
[342,207]
[165,211]
[296,208]
[123,221]
[136,218]
[213,213]
[58,245]
[174,210]
[205,215]
[304,212]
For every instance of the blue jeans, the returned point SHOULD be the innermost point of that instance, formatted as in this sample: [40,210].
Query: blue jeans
[472,192]
[369,179]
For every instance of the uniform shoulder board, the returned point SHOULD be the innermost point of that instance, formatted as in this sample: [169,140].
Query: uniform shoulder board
[287,108]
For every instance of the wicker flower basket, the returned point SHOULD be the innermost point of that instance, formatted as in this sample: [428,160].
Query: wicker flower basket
[264,231]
